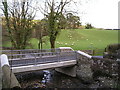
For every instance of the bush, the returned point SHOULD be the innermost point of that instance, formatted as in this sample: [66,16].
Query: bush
[88,26]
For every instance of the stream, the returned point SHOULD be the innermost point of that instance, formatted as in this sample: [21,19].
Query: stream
[48,79]
[53,79]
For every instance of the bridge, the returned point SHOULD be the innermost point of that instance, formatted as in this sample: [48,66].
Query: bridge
[63,59]
[34,59]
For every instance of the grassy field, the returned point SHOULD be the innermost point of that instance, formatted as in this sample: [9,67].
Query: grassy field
[79,39]
[82,39]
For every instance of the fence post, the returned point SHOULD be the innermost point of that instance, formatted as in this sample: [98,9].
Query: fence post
[93,52]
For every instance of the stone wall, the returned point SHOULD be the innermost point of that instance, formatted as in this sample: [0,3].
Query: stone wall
[87,68]
[84,71]
[105,66]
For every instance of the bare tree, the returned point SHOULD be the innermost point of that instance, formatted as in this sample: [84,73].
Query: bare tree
[40,31]
[54,12]
[18,16]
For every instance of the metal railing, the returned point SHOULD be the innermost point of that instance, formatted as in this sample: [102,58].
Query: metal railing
[29,51]
[35,57]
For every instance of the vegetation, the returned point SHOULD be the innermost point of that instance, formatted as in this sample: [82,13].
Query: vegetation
[54,15]
[79,39]
[18,21]
[73,22]
[20,26]
[88,26]
[39,31]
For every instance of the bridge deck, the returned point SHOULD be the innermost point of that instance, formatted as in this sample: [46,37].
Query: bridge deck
[43,66]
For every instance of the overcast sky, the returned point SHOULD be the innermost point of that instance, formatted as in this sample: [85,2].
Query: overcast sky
[100,13]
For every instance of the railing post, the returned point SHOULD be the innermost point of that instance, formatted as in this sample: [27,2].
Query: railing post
[58,55]
[35,59]
[76,55]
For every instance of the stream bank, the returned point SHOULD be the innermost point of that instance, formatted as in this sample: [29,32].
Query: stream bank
[86,78]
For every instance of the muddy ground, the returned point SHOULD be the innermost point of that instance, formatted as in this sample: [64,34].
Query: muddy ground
[37,79]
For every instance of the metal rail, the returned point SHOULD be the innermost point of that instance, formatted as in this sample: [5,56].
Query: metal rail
[25,59]
[29,51]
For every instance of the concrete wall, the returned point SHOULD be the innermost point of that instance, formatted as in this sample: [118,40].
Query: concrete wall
[71,70]
[9,79]
[82,69]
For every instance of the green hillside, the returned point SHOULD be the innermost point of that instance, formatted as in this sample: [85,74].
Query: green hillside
[80,39]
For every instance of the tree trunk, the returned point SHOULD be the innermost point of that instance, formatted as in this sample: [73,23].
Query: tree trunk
[39,45]
[52,43]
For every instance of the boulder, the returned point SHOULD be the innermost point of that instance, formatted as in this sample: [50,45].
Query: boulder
[112,51]
[85,73]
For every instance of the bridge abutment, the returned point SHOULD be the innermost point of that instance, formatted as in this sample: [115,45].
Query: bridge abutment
[8,78]
[71,70]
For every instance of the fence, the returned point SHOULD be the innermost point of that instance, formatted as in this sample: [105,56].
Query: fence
[98,51]
[94,52]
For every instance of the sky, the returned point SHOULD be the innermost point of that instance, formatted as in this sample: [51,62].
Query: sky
[99,13]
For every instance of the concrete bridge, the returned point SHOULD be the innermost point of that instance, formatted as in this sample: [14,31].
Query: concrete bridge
[63,60]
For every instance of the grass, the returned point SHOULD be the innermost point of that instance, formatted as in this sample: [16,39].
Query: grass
[88,39]
[82,39]
[79,39]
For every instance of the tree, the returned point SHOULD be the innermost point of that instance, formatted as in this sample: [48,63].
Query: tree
[40,31]
[62,21]
[5,33]
[88,26]
[18,17]
[53,13]
[72,21]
